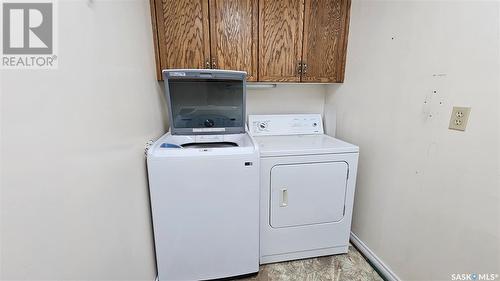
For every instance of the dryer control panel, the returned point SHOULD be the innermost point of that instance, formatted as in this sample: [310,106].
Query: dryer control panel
[285,124]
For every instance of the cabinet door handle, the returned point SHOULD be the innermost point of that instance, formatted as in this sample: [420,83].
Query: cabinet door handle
[214,64]
[304,68]
[284,197]
[299,68]
[207,64]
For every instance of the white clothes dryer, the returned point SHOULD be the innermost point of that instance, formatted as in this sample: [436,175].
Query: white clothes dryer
[307,182]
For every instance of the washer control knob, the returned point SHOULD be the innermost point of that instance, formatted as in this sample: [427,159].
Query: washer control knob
[315,124]
[209,123]
[262,126]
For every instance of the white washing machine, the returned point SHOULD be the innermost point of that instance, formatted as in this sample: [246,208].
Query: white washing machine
[204,180]
[307,182]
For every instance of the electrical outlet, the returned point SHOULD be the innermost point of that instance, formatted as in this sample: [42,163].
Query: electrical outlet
[459,118]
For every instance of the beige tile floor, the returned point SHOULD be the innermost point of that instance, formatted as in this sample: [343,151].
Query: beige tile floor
[349,267]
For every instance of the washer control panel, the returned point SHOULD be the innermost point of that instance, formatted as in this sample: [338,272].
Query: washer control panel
[285,124]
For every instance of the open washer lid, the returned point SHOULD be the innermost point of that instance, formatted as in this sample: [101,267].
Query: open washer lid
[294,134]
[205,101]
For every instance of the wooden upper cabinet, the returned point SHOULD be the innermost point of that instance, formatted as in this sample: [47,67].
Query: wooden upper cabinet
[233,35]
[182,34]
[280,40]
[326,25]
[272,40]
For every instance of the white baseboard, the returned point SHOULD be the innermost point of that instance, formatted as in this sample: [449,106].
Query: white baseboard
[381,267]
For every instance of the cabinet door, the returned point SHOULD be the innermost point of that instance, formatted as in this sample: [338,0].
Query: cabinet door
[326,26]
[233,36]
[183,33]
[280,39]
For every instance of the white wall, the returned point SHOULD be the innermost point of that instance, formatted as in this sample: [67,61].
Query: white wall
[427,198]
[286,99]
[74,197]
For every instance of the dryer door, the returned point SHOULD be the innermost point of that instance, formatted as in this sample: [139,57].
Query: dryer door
[305,194]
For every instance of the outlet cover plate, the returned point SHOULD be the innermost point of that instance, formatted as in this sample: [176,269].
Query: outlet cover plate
[459,118]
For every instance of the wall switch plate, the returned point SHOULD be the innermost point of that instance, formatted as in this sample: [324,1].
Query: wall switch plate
[459,118]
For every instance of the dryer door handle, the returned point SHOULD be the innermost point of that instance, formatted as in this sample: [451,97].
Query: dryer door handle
[284,197]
